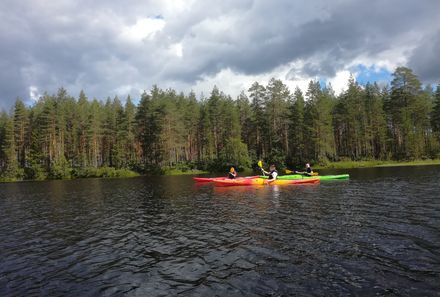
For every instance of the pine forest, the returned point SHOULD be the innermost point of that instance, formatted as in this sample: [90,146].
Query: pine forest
[60,136]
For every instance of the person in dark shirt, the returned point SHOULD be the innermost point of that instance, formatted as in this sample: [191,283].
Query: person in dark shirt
[308,171]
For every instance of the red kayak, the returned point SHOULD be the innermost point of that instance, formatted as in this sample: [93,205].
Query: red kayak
[213,179]
[261,181]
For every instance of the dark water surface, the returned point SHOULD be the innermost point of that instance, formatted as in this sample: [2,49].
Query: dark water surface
[377,234]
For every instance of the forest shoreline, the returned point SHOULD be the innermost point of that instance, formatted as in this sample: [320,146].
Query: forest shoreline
[331,165]
[166,133]
[115,174]
[376,163]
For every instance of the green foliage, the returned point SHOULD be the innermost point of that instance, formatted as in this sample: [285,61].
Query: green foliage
[10,170]
[409,111]
[235,153]
[359,122]
[167,132]
[60,169]
[319,145]
[258,141]
[374,163]
[181,169]
[435,116]
[105,172]
[35,171]
[276,157]
[297,136]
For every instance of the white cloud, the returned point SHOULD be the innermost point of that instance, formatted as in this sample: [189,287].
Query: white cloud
[124,90]
[233,83]
[388,59]
[340,80]
[145,28]
[176,7]
[226,80]
[34,94]
[176,49]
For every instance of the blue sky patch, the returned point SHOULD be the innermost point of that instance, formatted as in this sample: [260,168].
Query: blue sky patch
[371,74]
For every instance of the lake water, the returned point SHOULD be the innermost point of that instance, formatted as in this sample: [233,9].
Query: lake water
[376,234]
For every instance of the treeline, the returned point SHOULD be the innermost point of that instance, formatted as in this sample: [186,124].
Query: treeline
[61,136]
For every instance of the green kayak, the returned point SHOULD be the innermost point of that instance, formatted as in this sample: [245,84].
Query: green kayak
[321,177]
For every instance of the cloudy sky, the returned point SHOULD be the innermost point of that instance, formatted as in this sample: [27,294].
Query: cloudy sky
[110,48]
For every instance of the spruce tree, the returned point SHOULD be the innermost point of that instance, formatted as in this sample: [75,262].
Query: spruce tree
[297,129]
[409,112]
[435,118]
[21,131]
[257,94]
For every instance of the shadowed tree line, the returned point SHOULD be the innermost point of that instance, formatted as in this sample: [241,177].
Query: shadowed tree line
[62,137]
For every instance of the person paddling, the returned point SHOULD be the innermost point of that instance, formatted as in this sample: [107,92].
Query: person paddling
[273,173]
[308,172]
[232,173]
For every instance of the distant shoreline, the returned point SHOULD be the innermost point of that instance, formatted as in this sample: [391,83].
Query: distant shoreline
[375,163]
[187,172]
[331,165]
[111,173]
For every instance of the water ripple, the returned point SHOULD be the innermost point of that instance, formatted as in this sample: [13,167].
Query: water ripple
[376,234]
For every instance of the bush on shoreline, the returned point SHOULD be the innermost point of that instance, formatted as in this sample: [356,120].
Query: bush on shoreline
[37,173]
[104,172]
[375,163]
[63,173]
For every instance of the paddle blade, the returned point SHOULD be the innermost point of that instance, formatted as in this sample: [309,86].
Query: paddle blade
[260,164]
[288,171]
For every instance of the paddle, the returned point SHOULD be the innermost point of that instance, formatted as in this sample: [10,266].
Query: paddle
[260,164]
[300,172]
[306,173]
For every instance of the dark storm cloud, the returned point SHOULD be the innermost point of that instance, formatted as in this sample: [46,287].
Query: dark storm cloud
[48,46]
[78,44]
[425,59]
[41,52]
[354,28]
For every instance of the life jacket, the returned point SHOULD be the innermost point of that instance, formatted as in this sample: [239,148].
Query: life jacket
[232,173]
[270,174]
